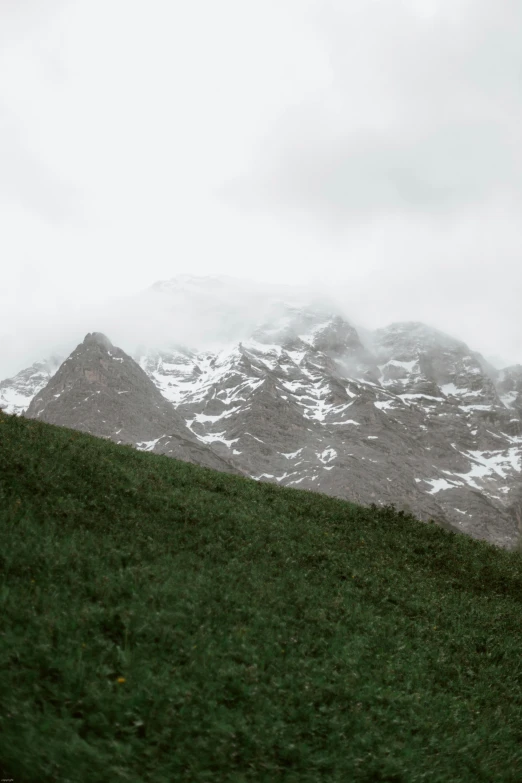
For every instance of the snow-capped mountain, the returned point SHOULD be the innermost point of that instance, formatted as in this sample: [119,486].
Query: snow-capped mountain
[16,393]
[405,415]
[102,391]
[417,423]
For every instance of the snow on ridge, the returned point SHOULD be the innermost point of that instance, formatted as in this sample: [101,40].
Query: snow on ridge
[440,484]
[482,466]
[327,455]
[405,397]
[15,401]
[291,454]
[450,389]
[255,345]
[203,417]
[509,398]
[475,407]
[383,405]
[148,445]
[310,335]
[396,363]
[215,437]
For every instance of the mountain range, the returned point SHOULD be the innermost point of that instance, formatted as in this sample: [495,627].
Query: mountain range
[404,415]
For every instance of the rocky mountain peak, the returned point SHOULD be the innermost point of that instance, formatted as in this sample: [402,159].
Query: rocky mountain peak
[97,338]
[410,338]
[101,390]
[17,392]
[509,385]
[406,414]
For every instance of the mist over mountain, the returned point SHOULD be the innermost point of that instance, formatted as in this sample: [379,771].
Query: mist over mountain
[404,414]
[205,312]
[100,390]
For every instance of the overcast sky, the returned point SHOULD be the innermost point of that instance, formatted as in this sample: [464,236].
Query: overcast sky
[372,146]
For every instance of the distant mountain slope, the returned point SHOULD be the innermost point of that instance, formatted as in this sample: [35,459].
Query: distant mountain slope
[16,393]
[102,391]
[406,414]
[509,387]
[416,421]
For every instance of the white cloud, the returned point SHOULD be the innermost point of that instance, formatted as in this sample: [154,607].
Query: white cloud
[372,145]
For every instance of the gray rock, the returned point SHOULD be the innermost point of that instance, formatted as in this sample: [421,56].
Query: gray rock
[16,393]
[419,423]
[101,390]
[405,415]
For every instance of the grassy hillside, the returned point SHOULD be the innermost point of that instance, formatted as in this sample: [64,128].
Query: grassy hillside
[163,622]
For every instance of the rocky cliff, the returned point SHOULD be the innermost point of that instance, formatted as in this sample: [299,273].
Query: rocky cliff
[405,414]
[101,390]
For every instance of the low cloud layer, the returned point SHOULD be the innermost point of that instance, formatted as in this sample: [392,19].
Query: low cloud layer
[201,314]
[422,113]
[370,149]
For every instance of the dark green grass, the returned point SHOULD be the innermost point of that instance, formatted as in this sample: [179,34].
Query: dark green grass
[262,633]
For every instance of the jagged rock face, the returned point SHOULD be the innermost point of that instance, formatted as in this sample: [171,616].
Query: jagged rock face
[16,393]
[418,435]
[411,417]
[101,390]
[412,355]
[418,360]
[509,385]
[323,335]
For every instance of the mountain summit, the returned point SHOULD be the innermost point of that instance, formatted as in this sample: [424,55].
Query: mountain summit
[404,415]
[412,417]
[16,393]
[101,390]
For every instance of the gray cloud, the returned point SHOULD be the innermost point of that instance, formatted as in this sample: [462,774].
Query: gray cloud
[221,310]
[377,143]
[420,115]
[373,175]
[24,178]
[19,18]
[27,181]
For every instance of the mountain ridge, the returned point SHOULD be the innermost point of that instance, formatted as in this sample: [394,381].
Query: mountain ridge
[416,418]
[134,410]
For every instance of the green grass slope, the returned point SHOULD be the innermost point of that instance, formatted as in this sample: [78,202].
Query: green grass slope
[163,622]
